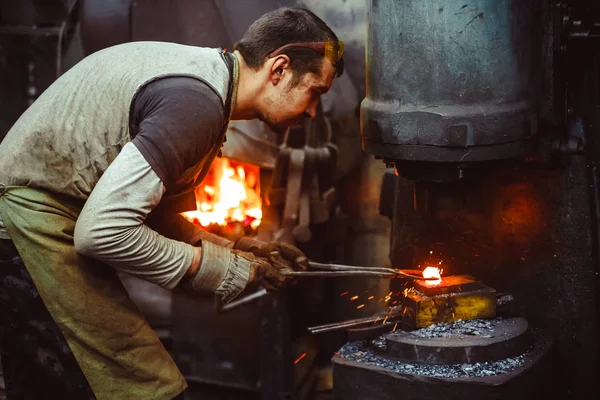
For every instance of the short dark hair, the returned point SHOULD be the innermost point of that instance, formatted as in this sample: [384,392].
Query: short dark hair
[288,25]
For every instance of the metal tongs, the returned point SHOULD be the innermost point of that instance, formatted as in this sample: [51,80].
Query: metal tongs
[321,270]
[336,270]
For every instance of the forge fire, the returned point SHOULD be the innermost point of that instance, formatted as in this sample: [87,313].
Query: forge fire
[230,193]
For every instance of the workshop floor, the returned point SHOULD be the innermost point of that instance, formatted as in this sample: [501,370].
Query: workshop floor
[322,390]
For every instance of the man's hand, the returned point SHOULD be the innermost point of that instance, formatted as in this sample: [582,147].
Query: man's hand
[281,254]
[262,272]
[227,272]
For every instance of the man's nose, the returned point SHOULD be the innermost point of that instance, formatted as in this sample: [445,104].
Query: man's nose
[311,112]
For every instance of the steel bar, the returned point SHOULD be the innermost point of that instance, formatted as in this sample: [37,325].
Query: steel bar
[391,271]
[244,300]
[339,267]
[344,324]
[330,274]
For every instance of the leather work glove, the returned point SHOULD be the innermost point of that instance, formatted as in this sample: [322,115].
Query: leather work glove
[284,255]
[228,272]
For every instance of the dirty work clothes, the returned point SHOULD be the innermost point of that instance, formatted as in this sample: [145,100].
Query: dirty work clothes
[75,129]
[117,350]
[36,359]
[51,160]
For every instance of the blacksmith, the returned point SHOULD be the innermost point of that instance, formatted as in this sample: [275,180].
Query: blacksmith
[93,178]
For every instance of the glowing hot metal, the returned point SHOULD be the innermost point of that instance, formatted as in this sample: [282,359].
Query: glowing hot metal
[432,272]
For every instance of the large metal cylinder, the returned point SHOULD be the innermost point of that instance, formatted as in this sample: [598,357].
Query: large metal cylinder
[450,81]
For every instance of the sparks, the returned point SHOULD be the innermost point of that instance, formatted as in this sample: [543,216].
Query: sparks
[343,294]
[371,297]
[361,306]
[300,358]
[353,298]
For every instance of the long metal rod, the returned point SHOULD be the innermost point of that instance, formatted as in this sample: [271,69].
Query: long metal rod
[244,300]
[340,267]
[328,274]
[343,324]
[359,271]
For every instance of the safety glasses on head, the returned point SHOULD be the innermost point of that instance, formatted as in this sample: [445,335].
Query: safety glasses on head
[333,51]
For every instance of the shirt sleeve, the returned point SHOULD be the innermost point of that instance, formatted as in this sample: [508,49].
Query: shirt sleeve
[176,121]
[111,226]
[175,226]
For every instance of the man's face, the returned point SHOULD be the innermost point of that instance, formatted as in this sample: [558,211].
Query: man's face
[285,105]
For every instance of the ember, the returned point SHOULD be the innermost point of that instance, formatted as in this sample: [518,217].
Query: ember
[230,193]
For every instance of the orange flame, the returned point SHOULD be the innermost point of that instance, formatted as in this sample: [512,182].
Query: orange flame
[432,272]
[230,194]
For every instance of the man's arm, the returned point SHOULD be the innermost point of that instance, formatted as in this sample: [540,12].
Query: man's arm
[177,121]
[111,228]
[111,224]
[174,226]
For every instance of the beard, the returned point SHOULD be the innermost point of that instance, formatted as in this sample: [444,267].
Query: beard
[279,127]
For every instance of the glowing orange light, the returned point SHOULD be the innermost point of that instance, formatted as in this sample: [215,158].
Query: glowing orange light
[432,272]
[230,194]
[300,358]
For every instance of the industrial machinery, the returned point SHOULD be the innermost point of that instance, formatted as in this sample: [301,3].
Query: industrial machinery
[486,113]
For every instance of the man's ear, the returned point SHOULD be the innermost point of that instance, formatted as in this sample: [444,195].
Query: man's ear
[279,67]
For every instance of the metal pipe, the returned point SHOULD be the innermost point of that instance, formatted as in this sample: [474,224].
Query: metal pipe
[344,324]
[331,274]
[244,300]
[384,272]
[339,267]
